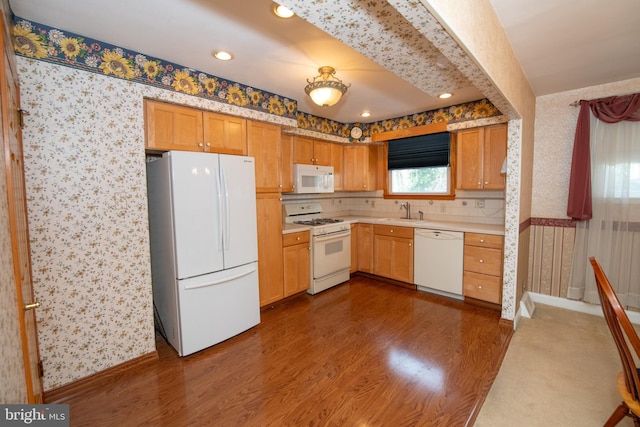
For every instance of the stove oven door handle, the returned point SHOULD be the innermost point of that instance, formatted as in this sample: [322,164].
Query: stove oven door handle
[332,236]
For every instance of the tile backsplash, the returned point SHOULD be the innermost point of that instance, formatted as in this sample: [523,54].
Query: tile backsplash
[485,208]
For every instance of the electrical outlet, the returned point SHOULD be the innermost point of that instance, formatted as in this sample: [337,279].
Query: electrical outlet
[480,204]
[443,208]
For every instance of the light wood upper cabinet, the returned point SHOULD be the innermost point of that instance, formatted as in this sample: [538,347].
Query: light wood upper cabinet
[172,127]
[495,151]
[176,127]
[481,152]
[338,166]
[360,167]
[264,143]
[225,134]
[286,163]
[311,151]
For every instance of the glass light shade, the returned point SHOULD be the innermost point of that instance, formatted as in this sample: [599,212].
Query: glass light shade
[325,89]
[325,96]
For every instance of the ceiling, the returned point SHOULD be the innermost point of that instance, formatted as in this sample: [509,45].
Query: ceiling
[277,55]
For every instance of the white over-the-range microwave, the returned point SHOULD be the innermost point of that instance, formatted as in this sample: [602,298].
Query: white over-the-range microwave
[312,178]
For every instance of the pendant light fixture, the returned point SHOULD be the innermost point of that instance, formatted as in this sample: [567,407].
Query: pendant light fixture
[326,89]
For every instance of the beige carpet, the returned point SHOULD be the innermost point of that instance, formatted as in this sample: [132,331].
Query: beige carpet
[559,370]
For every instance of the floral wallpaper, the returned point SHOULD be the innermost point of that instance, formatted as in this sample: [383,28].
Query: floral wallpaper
[49,44]
[87,206]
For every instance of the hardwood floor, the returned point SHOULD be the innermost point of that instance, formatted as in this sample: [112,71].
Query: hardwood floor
[365,353]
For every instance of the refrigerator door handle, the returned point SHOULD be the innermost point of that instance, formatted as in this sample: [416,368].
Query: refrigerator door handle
[227,229]
[220,229]
[218,282]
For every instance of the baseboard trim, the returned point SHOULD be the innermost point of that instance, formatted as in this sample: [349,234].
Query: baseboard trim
[579,306]
[62,393]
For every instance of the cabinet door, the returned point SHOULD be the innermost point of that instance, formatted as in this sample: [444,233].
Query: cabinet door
[495,151]
[297,265]
[354,248]
[173,127]
[469,167]
[337,163]
[322,153]
[360,167]
[393,258]
[365,247]
[286,163]
[225,134]
[383,247]
[270,264]
[303,150]
[263,143]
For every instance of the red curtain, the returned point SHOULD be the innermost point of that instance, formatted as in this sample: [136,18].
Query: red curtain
[613,109]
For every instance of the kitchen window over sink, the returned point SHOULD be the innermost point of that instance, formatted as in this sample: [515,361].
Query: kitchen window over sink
[420,165]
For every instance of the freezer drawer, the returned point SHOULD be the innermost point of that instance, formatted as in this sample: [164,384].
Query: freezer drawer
[215,307]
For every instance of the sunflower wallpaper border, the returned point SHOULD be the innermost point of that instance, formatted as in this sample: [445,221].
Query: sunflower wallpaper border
[39,41]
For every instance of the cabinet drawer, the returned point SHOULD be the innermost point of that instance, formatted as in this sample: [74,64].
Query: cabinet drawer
[295,238]
[393,231]
[484,240]
[482,287]
[483,260]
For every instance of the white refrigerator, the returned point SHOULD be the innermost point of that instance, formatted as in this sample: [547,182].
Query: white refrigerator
[204,251]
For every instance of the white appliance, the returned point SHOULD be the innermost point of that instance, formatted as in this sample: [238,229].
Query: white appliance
[330,245]
[312,178]
[204,251]
[438,261]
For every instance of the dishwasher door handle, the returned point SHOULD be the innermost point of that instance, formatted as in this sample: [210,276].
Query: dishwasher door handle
[438,235]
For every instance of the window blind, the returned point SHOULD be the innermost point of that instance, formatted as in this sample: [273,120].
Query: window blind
[419,151]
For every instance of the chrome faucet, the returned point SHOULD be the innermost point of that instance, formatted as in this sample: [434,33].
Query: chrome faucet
[421,215]
[407,206]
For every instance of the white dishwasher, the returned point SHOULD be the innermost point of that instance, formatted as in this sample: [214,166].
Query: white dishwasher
[438,257]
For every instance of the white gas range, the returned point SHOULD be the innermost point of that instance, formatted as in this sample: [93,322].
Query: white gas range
[330,244]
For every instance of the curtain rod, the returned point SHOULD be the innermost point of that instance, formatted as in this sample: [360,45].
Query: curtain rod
[575,104]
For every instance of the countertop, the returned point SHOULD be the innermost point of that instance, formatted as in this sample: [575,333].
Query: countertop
[467,227]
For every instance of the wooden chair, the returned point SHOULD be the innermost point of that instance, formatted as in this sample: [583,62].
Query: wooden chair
[624,336]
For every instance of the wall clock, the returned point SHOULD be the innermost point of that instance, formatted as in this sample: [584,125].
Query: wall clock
[356,132]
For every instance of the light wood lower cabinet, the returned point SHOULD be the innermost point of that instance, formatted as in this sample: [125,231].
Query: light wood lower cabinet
[482,277]
[270,274]
[354,248]
[365,248]
[393,252]
[296,254]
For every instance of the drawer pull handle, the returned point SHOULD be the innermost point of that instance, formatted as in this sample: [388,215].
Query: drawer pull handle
[480,287]
[481,240]
[297,238]
[481,261]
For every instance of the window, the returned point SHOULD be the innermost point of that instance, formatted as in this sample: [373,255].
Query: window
[420,165]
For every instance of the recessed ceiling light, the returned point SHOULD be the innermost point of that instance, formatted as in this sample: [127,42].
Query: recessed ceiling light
[365,114]
[445,95]
[222,55]
[282,11]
